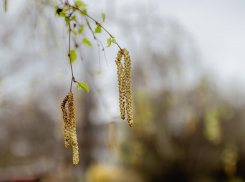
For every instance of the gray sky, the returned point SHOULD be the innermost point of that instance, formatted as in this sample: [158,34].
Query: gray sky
[219,29]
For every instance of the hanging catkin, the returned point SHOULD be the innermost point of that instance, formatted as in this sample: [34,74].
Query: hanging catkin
[66,127]
[121,83]
[128,94]
[73,135]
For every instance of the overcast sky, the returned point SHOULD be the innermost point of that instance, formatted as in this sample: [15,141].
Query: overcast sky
[219,29]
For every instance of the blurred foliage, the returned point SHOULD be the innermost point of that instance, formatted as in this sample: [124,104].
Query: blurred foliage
[204,142]
[111,173]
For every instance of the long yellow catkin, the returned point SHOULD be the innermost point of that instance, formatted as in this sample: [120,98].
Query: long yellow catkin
[121,83]
[66,127]
[128,94]
[73,134]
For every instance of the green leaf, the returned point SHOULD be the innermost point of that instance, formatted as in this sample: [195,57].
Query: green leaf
[73,18]
[80,3]
[84,10]
[62,13]
[103,16]
[80,30]
[113,40]
[67,20]
[73,56]
[64,10]
[74,32]
[57,10]
[82,85]
[98,29]
[86,41]
[109,42]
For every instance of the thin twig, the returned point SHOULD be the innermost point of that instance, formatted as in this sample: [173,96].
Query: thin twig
[98,41]
[96,22]
[103,51]
[69,54]
[95,38]
[77,45]
[90,77]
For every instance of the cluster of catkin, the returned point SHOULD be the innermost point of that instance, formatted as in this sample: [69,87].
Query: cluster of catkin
[124,83]
[70,126]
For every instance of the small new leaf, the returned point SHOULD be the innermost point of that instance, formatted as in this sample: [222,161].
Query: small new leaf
[109,42]
[73,56]
[74,32]
[73,18]
[86,41]
[62,13]
[103,16]
[80,30]
[114,40]
[84,10]
[65,10]
[58,10]
[80,3]
[98,29]
[82,85]
[67,20]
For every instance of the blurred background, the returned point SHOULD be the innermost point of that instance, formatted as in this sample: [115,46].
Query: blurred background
[188,83]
